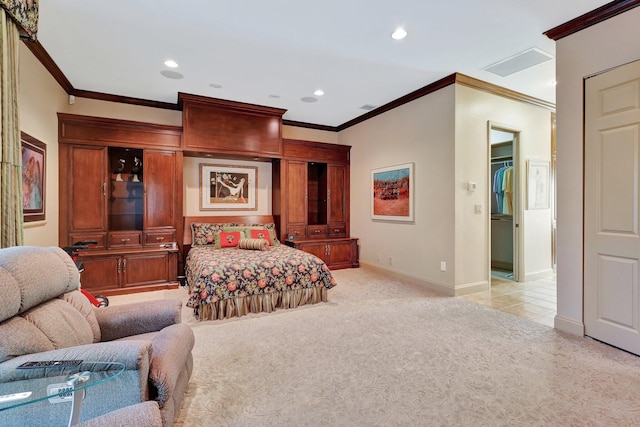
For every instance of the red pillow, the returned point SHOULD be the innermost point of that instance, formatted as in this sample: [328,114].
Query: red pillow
[229,239]
[261,234]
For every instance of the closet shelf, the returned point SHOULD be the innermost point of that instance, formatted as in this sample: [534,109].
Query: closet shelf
[501,217]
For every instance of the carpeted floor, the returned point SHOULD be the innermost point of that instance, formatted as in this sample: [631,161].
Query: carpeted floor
[383,353]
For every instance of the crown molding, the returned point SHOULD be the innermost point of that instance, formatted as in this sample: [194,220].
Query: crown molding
[504,92]
[594,17]
[309,125]
[45,59]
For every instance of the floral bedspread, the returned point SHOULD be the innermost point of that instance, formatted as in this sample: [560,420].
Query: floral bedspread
[218,274]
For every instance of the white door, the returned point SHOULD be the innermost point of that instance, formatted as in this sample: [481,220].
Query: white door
[611,214]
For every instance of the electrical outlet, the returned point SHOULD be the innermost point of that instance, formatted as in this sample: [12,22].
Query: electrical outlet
[390,260]
[478,209]
[443,266]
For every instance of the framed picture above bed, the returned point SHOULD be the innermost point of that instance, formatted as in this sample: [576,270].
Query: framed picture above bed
[227,188]
[392,193]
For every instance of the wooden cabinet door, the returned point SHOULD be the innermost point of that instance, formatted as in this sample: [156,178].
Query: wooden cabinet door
[317,249]
[297,192]
[87,184]
[145,269]
[336,194]
[159,178]
[101,273]
[340,253]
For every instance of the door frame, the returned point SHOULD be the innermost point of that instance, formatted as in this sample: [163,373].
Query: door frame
[518,228]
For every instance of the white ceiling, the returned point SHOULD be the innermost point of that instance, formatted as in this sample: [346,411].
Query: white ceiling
[290,48]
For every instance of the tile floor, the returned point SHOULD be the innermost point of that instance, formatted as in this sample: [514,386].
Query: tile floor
[534,300]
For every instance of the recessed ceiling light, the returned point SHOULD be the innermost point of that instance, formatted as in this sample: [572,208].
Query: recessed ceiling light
[171,74]
[308,99]
[215,85]
[171,63]
[274,96]
[399,34]
[319,92]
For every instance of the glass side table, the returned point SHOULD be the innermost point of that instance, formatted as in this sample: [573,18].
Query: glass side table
[56,385]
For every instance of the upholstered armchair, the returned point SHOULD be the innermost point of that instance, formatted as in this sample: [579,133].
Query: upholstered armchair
[44,316]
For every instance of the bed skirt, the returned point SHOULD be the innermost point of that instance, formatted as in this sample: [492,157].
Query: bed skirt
[239,306]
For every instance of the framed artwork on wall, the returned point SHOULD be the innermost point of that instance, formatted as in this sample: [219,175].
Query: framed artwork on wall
[538,178]
[392,192]
[228,187]
[34,161]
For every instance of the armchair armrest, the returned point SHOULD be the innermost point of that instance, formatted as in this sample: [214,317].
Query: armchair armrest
[171,350]
[134,354]
[137,318]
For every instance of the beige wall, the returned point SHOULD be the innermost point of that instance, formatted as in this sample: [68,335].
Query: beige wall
[474,109]
[422,132]
[446,135]
[293,132]
[40,97]
[606,45]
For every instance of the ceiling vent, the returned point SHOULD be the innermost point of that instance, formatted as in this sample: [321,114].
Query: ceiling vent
[519,62]
[368,107]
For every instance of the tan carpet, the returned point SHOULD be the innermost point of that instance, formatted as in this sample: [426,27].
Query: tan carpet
[383,353]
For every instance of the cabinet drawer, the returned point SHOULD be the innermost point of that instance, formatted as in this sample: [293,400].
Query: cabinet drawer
[101,238]
[156,238]
[337,230]
[297,231]
[125,239]
[317,230]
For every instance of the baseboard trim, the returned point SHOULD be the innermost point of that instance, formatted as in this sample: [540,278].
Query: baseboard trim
[569,326]
[439,288]
[538,275]
[472,288]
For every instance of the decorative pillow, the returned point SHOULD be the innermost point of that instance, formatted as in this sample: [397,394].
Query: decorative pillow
[263,234]
[253,244]
[272,231]
[203,233]
[230,239]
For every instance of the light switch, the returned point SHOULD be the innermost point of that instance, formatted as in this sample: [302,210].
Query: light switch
[471,186]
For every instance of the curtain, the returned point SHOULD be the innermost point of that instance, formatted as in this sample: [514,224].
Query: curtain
[10,152]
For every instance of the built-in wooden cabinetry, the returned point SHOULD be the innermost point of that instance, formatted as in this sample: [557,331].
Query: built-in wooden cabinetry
[311,200]
[229,128]
[121,186]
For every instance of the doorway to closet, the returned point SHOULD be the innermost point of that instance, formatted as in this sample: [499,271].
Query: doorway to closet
[504,203]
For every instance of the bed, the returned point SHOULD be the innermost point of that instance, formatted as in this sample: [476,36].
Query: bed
[236,265]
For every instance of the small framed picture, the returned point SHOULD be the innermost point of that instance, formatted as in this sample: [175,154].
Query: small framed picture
[392,190]
[34,161]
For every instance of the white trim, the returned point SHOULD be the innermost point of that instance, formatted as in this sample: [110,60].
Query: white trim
[538,275]
[569,326]
[439,288]
[472,288]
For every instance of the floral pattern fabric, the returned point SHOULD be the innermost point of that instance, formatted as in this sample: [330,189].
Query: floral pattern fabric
[219,274]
